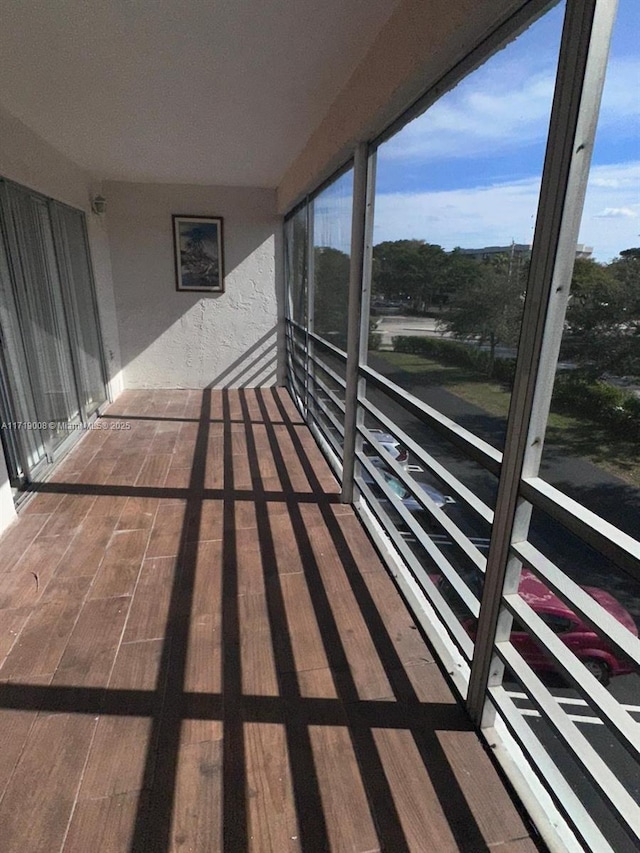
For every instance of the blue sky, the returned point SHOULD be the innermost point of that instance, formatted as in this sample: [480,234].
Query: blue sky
[467,172]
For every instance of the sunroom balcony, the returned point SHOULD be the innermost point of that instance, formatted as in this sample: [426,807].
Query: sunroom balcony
[201,650]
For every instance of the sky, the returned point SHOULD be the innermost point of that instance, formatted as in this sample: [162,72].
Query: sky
[467,172]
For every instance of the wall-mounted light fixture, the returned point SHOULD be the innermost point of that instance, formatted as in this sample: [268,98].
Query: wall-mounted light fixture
[99,204]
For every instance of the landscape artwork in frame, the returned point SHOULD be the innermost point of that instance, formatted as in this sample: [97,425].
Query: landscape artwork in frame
[197,242]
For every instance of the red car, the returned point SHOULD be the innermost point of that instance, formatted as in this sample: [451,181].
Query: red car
[587,645]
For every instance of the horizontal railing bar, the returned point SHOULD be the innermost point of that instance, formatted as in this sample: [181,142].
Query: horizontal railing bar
[617,546]
[459,489]
[614,793]
[472,446]
[579,601]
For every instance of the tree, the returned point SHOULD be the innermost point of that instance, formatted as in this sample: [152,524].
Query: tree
[408,270]
[602,331]
[331,294]
[487,307]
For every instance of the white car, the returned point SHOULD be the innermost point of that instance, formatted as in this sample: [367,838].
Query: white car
[390,444]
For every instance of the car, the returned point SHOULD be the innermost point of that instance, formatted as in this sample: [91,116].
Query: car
[588,646]
[593,650]
[399,489]
[391,444]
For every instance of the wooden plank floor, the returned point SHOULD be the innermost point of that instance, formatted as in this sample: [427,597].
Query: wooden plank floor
[201,651]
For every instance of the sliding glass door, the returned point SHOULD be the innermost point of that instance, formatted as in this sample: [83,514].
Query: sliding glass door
[53,376]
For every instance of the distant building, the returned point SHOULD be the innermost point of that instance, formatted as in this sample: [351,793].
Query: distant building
[517,250]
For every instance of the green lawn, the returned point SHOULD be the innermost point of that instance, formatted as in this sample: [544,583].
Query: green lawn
[573,436]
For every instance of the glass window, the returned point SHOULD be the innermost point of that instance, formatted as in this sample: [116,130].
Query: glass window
[331,214]
[455,206]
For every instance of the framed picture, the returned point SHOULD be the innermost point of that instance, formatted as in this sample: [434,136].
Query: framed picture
[197,246]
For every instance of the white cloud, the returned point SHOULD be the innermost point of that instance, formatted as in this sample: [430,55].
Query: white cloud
[498,214]
[476,120]
[503,109]
[616,213]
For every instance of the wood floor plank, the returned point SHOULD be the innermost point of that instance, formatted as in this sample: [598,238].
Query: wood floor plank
[490,807]
[154,470]
[35,810]
[256,648]
[18,537]
[273,825]
[203,674]
[26,582]
[178,478]
[250,566]
[266,463]
[214,466]
[287,552]
[93,643]
[290,459]
[68,516]
[422,816]
[168,531]
[11,624]
[302,628]
[205,560]
[105,825]
[138,514]
[350,825]
[43,502]
[366,670]
[88,548]
[118,572]
[205,521]
[15,726]
[150,606]
[107,506]
[41,644]
[118,752]
[197,812]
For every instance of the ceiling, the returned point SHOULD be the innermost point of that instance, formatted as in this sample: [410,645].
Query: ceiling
[207,91]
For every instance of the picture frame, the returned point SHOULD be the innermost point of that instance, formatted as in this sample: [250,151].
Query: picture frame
[198,253]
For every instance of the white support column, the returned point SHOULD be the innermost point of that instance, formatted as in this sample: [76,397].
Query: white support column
[581,71]
[354,328]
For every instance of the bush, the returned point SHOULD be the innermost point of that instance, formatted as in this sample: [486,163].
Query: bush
[454,352]
[598,401]
[375,340]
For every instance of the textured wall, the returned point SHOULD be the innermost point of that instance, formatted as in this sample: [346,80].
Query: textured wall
[192,340]
[421,41]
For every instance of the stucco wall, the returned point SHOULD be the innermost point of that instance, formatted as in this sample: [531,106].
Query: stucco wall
[28,160]
[421,41]
[194,340]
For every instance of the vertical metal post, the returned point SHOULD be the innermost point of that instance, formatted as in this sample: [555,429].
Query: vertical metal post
[358,219]
[310,324]
[581,70]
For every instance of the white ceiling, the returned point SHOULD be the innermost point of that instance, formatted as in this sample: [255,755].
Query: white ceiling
[199,91]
